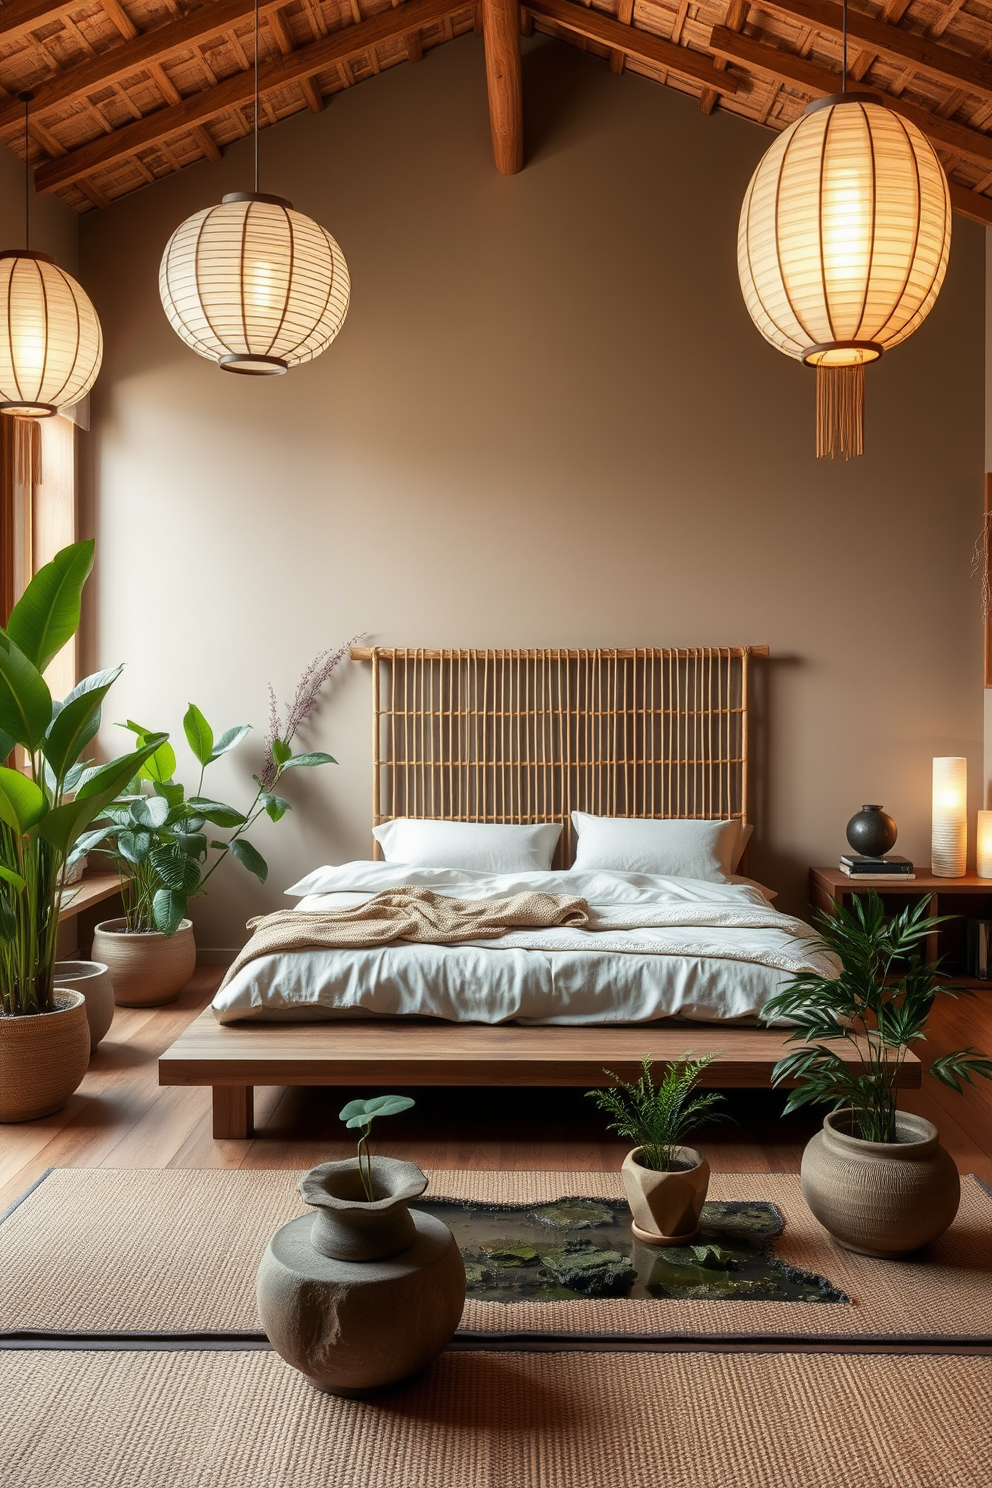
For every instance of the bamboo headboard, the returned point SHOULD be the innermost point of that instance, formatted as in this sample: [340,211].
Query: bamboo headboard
[525,736]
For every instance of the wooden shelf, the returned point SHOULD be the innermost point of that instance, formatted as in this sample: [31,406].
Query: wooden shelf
[91,889]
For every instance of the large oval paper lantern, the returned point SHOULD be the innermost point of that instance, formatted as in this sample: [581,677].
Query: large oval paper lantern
[51,345]
[254,285]
[842,247]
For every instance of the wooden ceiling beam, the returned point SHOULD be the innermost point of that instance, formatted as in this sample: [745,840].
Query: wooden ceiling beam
[501,34]
[644,46]
[955,68]
[971,204]
[820,81]
[143,51]
[233,92]
[19,17]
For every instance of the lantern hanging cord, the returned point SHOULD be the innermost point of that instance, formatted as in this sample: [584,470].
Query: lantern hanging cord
[256,88]
[843,72]
[26,100]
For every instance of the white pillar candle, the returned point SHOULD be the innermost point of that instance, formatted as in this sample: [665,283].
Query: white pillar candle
[985,844]
[949,823]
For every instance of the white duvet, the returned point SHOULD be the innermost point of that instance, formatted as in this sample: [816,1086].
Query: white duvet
[655,948]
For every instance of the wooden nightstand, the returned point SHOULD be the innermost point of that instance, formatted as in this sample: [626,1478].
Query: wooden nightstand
[965,898]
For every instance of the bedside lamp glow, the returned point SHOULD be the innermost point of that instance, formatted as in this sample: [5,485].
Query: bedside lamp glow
[949,824]
[985,844]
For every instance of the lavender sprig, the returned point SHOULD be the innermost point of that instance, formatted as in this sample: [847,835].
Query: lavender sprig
[315,677]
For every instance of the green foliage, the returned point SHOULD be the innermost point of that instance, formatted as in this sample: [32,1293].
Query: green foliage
[361,1114]
[659,1117]
[47,808]
[156,841]
[879,1003]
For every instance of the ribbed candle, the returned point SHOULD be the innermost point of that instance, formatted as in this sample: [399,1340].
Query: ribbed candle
[949,822]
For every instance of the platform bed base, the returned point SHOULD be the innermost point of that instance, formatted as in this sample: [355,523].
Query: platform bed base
[234,1058]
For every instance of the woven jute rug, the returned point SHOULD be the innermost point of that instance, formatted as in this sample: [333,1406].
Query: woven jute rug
[104,1255]
[499,1420]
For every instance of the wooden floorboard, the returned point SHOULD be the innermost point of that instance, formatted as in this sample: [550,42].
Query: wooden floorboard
[122,1117]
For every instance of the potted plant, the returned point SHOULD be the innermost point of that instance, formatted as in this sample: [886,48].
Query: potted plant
[157,838]
[46,808]
[875,1177]
[366,1291]
[665,1182]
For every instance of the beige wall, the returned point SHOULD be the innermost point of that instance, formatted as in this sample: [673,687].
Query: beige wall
[54,226]
[548,420]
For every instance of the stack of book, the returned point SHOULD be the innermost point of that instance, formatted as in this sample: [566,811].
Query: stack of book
[877,870]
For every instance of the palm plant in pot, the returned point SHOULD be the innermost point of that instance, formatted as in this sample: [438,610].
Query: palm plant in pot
[875,1177]
[665,1181]
[46,809]
[159,841]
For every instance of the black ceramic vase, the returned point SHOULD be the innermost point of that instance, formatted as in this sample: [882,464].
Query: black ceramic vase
[871,832]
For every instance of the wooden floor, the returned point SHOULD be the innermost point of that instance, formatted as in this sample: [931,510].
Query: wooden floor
[121,1117]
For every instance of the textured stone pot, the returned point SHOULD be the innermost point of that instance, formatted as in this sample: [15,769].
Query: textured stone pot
[666,1206]
[43,1057]
[93,980]
[363,1294]
[148,969]
[881,1198]
[872,831]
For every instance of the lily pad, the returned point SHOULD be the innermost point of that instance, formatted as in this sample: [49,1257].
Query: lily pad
[501,1253]
[574,1214]
[477,1277]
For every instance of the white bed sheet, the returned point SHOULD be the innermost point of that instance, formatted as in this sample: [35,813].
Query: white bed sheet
[656,948]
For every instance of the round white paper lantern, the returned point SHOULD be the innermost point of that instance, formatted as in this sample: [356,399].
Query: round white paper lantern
[254,285]
[51,344]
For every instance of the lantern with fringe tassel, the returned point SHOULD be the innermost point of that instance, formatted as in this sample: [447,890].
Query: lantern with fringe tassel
[842,248]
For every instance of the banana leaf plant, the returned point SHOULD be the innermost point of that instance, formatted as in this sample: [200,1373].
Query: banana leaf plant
[48,805]
[156,835]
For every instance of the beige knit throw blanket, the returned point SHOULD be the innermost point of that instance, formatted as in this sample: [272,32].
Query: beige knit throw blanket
[407,914]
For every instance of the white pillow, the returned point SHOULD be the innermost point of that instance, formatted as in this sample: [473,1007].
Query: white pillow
[478,847]
[707,850]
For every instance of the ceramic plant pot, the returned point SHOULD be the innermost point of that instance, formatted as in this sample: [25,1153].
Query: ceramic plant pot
[362,1294]
[148,969]
[881,1198]
[666,1206]
[43,1057]
[93,980]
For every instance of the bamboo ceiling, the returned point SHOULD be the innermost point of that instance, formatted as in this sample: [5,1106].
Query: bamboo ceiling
[128,91]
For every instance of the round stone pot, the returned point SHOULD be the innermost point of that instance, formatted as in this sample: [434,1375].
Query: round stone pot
[43,1057]
[364,1294]
[93,980]
[148,969]
[666,1206]
[881,1198]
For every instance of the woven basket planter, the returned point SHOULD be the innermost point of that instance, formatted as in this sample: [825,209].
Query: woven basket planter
[92,979]
[148,969]
[881,1198]
[43,1058]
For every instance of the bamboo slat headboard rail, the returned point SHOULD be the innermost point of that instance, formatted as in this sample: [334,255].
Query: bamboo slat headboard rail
[529,736]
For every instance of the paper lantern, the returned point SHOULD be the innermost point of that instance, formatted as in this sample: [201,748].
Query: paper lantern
[984,844]
[51,345]
[254,285]
[842,247]
[949,823]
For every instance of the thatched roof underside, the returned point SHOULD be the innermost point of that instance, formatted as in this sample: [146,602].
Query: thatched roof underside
[128,91]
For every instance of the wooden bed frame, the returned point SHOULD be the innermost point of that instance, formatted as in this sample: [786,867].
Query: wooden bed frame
[519,736]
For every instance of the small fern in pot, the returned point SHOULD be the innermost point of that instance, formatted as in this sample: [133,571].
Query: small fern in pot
[665,1181]
[875,1176]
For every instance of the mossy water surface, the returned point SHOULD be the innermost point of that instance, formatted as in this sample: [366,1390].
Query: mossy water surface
[580,1247]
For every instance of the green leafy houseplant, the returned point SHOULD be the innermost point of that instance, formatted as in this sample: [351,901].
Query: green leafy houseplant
[658,1118]
[156,835]
[361,1114]
[47,807]
[879,1004]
